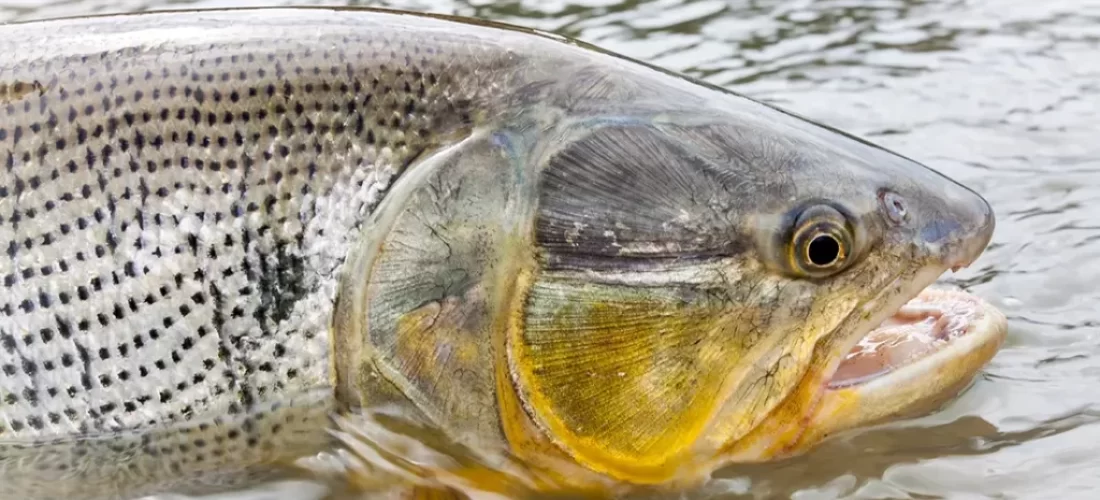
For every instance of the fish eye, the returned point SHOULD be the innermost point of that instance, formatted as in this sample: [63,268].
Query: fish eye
[821,242]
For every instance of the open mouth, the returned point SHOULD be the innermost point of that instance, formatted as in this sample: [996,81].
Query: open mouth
[911,363]
[931,323]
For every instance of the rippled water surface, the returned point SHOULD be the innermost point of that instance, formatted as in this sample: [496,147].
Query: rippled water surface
[1003,95]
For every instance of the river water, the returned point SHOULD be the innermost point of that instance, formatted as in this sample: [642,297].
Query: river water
[1003,95]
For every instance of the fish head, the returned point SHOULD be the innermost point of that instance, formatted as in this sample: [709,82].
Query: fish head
[652,280]
[700,276]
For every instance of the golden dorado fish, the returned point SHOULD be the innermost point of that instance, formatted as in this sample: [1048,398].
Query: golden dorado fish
[220,229]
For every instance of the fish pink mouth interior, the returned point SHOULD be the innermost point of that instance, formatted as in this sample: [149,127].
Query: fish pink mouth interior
[923,326]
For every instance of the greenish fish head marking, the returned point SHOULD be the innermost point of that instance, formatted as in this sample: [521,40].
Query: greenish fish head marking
[647,276]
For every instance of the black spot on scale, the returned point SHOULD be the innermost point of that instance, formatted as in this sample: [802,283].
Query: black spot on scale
[280,286]
[7,341]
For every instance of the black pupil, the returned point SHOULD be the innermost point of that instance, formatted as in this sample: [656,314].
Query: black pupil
[824,250]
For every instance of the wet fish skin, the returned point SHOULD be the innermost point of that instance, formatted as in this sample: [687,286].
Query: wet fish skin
[541,249]
[177,195]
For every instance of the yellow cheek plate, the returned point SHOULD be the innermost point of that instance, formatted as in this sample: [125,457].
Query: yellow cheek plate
[624,379]
[653,384]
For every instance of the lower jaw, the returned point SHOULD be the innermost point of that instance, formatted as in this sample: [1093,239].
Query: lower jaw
[852,393]
[922,357]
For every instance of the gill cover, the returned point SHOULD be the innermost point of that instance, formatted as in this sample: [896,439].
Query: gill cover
[593,290]
[418,307]
[650,309]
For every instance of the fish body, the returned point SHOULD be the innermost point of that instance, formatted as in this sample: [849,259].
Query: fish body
[223,227]
[179,194]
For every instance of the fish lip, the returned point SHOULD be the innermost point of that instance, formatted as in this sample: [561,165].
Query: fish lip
[902,289]
[828,355]
[911,389]
[988,329]
[982,321]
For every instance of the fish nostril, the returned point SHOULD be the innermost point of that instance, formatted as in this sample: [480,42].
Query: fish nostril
[894,206]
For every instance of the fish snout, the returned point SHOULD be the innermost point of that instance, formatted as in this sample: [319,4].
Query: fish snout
[962,228]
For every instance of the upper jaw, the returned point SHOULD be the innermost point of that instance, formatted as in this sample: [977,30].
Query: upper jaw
[784,432]
[915,387]
[873,312]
